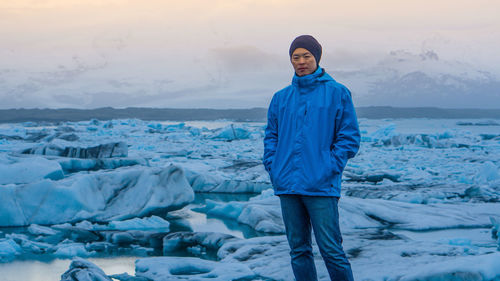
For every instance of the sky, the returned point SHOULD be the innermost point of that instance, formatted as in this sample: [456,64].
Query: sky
[234,53]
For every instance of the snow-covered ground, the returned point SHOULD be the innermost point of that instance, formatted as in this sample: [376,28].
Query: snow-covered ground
[421,200]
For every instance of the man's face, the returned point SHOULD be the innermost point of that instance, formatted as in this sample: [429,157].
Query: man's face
[303,62]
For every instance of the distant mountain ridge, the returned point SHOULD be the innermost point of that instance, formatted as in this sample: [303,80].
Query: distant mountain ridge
[243,115]
[405,79]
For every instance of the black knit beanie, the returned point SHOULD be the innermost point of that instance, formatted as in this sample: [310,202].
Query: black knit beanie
[309,43]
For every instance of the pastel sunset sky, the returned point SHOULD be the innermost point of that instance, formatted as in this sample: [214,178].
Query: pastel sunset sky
[234,53]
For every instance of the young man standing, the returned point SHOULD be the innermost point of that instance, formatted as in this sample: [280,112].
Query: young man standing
[311,132]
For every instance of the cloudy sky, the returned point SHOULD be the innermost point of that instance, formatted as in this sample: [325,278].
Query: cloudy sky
[234,53]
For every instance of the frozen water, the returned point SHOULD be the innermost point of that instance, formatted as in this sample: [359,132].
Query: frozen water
[495,230]
[82,270]
[262,213]
[8,250]
[106,150]
[36,229]
[34,270]
[18,170]
[485,267]
[106,196]
[69,250]
[202,240]
[231,132]
[172,268]
[71,165]
[153,222]
[420,201]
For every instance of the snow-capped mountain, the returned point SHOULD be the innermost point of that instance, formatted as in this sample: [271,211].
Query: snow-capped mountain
[406,79]
[400,78]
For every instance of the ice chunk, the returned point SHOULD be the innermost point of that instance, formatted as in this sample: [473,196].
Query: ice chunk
[209,183]
[107,196]
[126,277]
[9,249]
[182,240]
[261,213]
[385,132]
[479,123]
[76,233]
[36,229]
[69,137]
[85,225]
[267,256]
[484,267]
[230,210]
[71,165]
[150,223]
[69,250]
[482,193]
[495,230]
[374,176]
[28,245]
[82,270]
[20,170]
[122,238]
[487,172]
[231,132]
[356,213]
[175,268]
[175,127]
[108,150]
[101,247]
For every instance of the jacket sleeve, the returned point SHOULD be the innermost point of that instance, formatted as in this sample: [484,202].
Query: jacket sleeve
[271,135]
[347,136]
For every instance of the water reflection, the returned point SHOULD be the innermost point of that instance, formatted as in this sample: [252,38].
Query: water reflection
[41,267]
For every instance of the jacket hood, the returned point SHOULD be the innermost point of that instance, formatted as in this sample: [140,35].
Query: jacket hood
[311,80]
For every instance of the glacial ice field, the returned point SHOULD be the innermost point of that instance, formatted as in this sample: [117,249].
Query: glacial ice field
[144,200]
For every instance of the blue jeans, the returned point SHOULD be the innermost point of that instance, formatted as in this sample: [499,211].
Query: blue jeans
[299,213]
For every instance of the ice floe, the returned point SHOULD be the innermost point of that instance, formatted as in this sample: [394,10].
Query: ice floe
[83,270]
[114,195]
[9,249]
[420,201]
[19,170]
[107,150]
[172,268]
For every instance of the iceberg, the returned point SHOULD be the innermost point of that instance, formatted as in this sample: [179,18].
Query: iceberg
[181,240]
[266,256]
[100,197]
[420,196]
[495,230]
[107,150]
[72,165]
[9,249]
[36,229]
[19,170]
[209,183]
[150,223]
[230,133]
[484,267]
[174,268]
[83,270]
[69,250]
[263,213]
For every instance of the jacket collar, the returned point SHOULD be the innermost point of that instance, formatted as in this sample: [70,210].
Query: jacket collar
[312,79]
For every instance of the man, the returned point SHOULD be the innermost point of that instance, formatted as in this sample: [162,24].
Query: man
[311,132]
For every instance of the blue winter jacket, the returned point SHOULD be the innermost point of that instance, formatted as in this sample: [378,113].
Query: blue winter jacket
[311,131]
